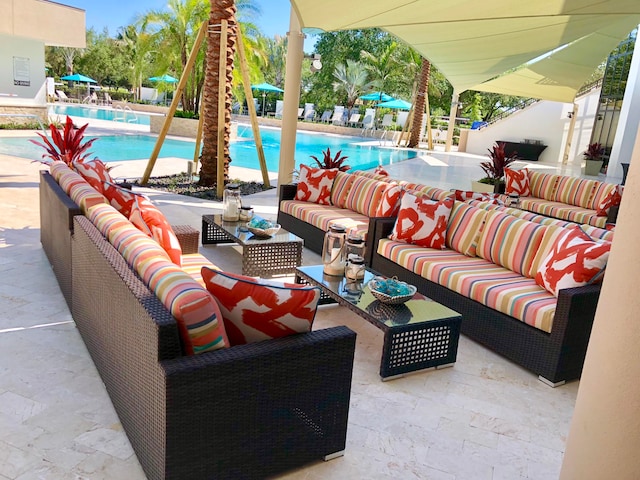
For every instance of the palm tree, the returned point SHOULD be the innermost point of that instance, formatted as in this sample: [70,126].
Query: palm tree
[352,78]
[418,106]
[220,10]
[139,46]
[383,68]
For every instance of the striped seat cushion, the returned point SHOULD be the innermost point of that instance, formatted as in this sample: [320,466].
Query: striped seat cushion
[574,191]
[192,264]
[322,216]
[509,241]
[341,186]
[463,230]
[365,195]
[563,211]
[543,185]
[476,278]
[296,208]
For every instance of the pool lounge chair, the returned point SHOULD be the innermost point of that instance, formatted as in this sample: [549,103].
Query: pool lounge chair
[301,113]
[279,109]
[402,118]
[387,123]
[63,97]
[368,123]
[326,116]
[354,120]
[309,112]
[338,114]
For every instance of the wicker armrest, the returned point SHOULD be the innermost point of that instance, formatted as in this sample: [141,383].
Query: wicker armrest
[188,238]
[613,214]
[287,192]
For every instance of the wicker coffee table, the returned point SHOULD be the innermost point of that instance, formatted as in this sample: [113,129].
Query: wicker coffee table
[418,334]
[261,257]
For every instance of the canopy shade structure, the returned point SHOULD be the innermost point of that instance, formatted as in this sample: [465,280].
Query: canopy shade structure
[266,87]
[396,104]
[376,97]
[164,78]
[78,77]
[473,42]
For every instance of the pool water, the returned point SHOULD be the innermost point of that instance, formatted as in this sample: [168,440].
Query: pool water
[112,114]
[118,148]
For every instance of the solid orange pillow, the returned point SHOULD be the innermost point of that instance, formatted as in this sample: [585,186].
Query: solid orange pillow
[422,221]
[315,184]
[151,221]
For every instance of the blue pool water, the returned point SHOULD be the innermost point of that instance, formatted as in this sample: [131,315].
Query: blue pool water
[118,148]
[85,111]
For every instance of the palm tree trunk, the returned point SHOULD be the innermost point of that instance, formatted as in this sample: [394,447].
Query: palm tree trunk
[418,108]
[220,10]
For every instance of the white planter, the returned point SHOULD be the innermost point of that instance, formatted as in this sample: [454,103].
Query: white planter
[592,167]
[481,187]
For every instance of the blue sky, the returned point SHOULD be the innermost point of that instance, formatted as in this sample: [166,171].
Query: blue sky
[117,13]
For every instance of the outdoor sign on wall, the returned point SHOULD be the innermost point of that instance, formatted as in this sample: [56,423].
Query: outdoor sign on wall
[21,71]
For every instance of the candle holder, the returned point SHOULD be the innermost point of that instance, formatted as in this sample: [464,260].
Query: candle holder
[333,250]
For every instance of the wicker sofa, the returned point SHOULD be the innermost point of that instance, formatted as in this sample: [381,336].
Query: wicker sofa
[248,411]
[551,343]
[568,198]
[357,199]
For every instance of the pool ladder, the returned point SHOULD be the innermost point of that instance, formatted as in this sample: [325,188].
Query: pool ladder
[126,111]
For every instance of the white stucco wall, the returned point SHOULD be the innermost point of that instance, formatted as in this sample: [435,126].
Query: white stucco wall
[545,121]
[29,53]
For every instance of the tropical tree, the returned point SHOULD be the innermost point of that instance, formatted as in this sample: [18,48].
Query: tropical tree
[419,104]
[140,48]
[213,124]
[351,79]
[382,67]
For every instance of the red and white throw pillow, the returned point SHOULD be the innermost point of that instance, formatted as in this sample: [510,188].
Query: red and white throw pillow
[255,310]
[463,196]
[95,172]
[574,260]
[381,171]
[315,184]
[390,202]
[517,181]
[611,200]
[120,198]
[422,221]
[151,221]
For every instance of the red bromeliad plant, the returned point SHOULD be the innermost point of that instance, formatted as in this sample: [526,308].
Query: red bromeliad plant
[67,147]
[594,151]
[332,162]
[494,169]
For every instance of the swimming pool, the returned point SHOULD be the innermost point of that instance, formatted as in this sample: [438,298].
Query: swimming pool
[362,155]
[100,113]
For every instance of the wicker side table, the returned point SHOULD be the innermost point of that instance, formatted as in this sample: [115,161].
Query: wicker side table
[261,257]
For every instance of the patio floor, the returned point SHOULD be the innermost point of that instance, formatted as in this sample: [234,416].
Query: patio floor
[483,419]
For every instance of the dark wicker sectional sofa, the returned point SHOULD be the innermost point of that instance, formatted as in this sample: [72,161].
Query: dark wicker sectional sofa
[249,411]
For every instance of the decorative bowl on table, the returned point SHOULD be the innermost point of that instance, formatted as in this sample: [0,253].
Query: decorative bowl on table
[391,290]
[262,228]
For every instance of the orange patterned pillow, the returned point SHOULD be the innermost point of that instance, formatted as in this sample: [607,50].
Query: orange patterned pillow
[255,310]
[517,181]
[575,260]
[611,200]
[95,172]
[422,221]
[151,221]
[120,198]
[315,184]
[491,198]
[390,203]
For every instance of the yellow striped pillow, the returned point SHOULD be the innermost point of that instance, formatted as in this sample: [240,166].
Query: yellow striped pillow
[365,195]
[341,186]
[543,185]
[574,191]
[509,241]
[465,225]
[548,241]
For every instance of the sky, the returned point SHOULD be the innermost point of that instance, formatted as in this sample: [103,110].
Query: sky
[117,13]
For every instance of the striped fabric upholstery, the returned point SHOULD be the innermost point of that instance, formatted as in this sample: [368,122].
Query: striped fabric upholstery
[68,178]
[373,175]
[57,168]
[509,241]
[340,189]
[600,192]
[434,193]
[105,217]
[463,230]
[563,211]
[296,208]
[365,195]
[524,214]
[321,216]
[134,246]
[483,281]
[549,239]
[574,191]
[598,233]
[543,185]
[192,264]
[195,310]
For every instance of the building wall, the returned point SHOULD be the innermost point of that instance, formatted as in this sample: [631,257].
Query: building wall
[21,60]
[545,121]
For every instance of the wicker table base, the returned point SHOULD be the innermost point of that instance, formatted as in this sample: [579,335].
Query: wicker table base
[418,334]
[261,257]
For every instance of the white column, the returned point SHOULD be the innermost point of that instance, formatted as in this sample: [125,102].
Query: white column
[452,120]
[295,54]
[604,437]
[629,119]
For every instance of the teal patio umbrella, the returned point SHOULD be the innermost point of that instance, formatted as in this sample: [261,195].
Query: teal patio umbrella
[397,104]
[164,79]
[376,96]
[266,87]
[78,77]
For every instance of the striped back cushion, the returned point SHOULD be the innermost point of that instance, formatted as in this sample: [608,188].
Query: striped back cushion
[133,245]
[434,193]
[56,169]
[509,241]
[574,191]
[104,217]
[365,195]
[598,233]
[341,185]
[543,185]
[83,194]
[374,175]
[600,192]
[463,230]
[549,239]
[195,310]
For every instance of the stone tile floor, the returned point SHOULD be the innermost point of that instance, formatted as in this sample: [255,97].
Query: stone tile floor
[485,418]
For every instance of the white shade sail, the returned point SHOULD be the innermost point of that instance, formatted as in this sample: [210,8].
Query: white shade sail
[473,42]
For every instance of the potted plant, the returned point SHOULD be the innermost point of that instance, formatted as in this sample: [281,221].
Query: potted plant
[332,162]
[67,146]
[493,181]
[593,157]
